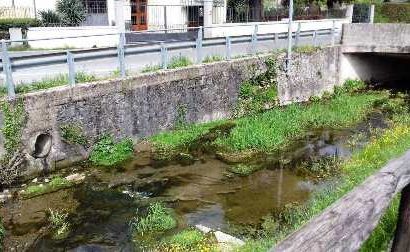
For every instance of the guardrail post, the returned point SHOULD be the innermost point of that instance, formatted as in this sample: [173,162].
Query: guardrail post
[199,46]
[333,33]
[298,34]
[71,68]
[314,39]
[276,39]
[254,40]
[228,48]
[8,72]
[164,56]
[121,55]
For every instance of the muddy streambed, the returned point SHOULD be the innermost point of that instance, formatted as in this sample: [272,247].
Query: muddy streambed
[101,207]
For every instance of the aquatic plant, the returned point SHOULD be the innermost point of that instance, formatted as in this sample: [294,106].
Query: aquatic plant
[319,169]
[189,240]
[56,183]
[392,143]
[59,223]
[158,219]
[73,134]
[106,152]
[243,169]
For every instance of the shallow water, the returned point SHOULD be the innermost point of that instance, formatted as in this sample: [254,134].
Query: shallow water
[204,192]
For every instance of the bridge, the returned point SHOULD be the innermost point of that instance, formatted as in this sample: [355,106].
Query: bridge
[376,53]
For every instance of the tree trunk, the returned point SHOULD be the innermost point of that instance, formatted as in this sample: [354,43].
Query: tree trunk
[401,241]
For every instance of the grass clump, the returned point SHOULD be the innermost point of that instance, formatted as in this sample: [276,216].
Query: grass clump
[2,234]
[46,83]
[158,219]
[59,223]
[384,232]
[106,152]
[179,61]
[243,169]
[151,68]
[275,128]
[212,58]
[73,134]
[57,183]
[189,240]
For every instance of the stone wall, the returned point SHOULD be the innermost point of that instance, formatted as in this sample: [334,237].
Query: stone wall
[143,105]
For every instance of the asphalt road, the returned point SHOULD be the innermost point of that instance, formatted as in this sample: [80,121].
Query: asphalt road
[103,67]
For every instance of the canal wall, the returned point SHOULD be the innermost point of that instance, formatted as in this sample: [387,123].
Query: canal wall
[144,105]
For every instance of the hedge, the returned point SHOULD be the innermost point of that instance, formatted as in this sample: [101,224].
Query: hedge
[392,13]
[24,23]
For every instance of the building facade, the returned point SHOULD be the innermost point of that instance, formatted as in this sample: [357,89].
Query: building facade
[138,14]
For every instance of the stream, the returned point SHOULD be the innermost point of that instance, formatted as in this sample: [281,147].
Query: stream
[204,192]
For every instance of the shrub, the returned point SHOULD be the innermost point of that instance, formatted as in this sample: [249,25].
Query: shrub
[72,11]
[108,153]
[158,219]
[49,17]
[23,23]
[392,13]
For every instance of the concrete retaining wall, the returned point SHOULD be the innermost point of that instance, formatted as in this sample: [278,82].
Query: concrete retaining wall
[147,104]
[383,38]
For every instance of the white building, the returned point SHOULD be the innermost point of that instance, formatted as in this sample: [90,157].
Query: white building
[138,14]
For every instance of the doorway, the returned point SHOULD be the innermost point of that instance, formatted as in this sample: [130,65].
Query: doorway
[139,15]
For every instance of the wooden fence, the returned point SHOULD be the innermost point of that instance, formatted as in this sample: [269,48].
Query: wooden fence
[346,225]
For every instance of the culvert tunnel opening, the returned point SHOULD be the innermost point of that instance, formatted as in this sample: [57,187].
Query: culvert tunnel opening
[42,145]
[381,70]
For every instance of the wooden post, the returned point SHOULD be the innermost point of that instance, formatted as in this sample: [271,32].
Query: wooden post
[401,241]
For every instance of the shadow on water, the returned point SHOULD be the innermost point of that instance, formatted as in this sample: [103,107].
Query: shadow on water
[203,192]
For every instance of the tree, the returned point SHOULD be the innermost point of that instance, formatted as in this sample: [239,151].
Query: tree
[72,11]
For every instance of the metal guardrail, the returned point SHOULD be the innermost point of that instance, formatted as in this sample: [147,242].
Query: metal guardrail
[122,50]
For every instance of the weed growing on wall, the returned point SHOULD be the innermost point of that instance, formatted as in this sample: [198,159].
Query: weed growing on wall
[73,134]
[212,58]
[178,62]
[106,152]
[259,92]
[158,219]
[14,116]
[306,49]
[46,83]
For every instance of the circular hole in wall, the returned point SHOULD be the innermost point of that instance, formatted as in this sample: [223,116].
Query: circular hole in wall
[42,146]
